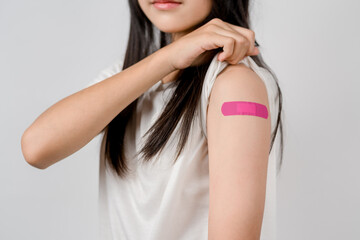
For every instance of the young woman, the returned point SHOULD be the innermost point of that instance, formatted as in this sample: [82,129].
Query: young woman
[185,154]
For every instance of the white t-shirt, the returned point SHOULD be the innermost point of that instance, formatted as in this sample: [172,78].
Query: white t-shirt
[161,201]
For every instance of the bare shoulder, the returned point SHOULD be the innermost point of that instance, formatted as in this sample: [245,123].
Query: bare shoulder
[239,80]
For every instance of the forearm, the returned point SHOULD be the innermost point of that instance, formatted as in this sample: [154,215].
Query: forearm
[72,122]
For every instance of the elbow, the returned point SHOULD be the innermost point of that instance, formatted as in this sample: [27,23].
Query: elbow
[30,151]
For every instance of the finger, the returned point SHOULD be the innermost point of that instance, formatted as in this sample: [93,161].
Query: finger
[248,33]
[227,43]
[250,36]
[237,45]
[220,23]
[241,48]
[227,25]
[255,51]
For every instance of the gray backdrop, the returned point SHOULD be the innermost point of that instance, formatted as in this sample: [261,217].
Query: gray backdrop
[51,49]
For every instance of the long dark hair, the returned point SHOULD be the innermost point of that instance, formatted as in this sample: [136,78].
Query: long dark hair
[142,42]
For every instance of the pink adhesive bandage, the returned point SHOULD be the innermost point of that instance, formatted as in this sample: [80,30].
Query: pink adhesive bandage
[244,108]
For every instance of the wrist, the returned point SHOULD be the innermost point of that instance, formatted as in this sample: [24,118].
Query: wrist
[165,54]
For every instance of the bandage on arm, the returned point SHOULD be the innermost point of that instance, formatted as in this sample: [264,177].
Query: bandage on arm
[244,108]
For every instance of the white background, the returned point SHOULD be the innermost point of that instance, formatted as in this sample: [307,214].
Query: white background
[51,49]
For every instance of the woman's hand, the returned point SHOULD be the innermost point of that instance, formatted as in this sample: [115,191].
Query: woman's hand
[237,42]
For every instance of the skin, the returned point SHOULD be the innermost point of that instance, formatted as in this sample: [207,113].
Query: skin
[238,149]
[238,145]
[190,12]
[71,123]
[237,174]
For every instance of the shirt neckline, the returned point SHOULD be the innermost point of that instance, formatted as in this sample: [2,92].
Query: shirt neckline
[159,86]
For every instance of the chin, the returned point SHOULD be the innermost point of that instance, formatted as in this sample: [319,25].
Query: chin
[169,28]
[175,25]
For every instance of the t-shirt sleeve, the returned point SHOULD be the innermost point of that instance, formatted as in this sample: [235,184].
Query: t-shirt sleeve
[107,72]
[215,69]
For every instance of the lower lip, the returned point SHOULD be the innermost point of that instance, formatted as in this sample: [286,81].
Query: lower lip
[165,6]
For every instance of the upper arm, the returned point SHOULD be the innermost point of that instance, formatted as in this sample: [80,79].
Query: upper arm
[238,156]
